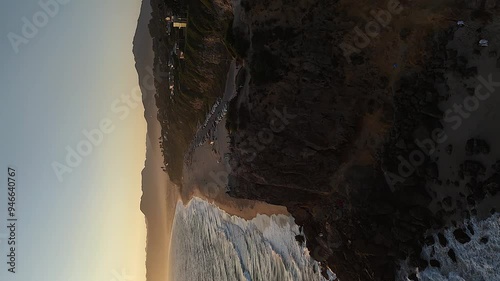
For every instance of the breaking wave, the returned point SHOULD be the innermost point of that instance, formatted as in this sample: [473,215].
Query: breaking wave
[476,260]
[209,244]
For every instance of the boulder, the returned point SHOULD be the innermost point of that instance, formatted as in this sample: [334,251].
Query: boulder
[476,146]
[413,277]
[472,168]
[461,236]
[449,149]
[429,240]
[471,229]
[451,254]
[300,239]
[435,263]
[442,240]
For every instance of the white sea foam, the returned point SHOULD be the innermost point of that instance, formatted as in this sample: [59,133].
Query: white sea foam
[208,244]
[476,261]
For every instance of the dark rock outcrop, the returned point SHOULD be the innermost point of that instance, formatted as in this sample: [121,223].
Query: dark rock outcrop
[451,254]
[442,240]
[476,146]
[461,236]
[347,145]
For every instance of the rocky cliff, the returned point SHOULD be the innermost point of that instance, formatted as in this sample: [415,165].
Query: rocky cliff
[335,121]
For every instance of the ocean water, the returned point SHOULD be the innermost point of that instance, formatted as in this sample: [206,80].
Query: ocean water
[208,244]
[476,261]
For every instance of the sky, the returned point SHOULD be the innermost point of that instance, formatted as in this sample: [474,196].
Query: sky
[67,73]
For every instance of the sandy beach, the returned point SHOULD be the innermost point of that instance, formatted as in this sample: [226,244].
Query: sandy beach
[206,171]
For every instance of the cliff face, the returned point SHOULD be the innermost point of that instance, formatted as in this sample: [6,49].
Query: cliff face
[187,88]
[338,92]
[335,100]
[305,133]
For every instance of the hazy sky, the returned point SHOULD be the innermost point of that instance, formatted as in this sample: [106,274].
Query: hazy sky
[67,77]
